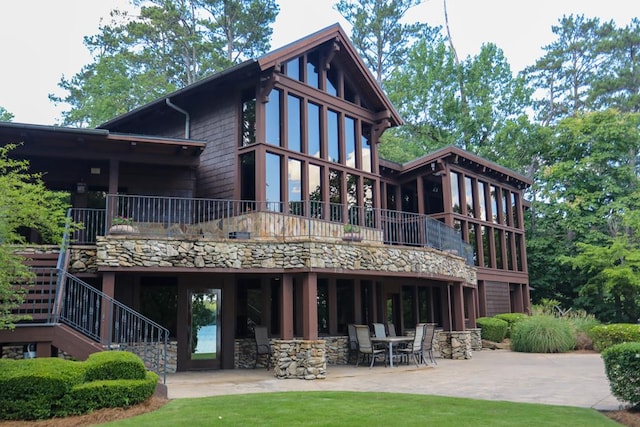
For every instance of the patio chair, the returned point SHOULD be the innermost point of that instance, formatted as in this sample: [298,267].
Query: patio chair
[365,346]
[429,334]
[391,329]
[378,330]
[353,342]
[262,344]
[415,349]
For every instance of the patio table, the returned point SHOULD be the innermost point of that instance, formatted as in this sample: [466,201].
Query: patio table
[390,341]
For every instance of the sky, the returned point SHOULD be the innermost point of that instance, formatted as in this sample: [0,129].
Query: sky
[42,40]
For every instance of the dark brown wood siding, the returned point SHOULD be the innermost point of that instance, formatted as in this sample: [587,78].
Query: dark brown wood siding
[157,180]
[217,123]
[497,298]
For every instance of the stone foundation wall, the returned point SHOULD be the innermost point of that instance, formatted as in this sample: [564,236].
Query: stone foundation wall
[455,345]
[476,339]
[155,354]
[301,359]
[129,251]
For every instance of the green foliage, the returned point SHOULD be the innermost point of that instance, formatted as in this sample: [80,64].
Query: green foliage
[511,319]
[24,202]
[622,366]
[113,365]
[32,388]
[492,329]
[5,116]
[604,336]
[162,46]
[100,394]
[52,387]
[542,334]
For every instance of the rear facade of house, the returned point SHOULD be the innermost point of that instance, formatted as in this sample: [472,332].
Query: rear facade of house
[256,196]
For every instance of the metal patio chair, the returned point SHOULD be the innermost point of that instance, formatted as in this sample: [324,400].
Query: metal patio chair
[416,347]
[365,346]
[262,344]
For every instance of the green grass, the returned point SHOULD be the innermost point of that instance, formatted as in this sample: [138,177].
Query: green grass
[360,409]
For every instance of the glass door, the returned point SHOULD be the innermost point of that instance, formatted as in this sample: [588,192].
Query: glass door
[204,330]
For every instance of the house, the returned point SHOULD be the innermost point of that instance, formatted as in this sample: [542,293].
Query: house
[234,201]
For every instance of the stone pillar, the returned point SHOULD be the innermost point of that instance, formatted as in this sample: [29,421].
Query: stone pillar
[476,338]
[455,345]
[108,289]
[301,359]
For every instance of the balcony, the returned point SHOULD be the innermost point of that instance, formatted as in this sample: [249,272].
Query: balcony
[182,218]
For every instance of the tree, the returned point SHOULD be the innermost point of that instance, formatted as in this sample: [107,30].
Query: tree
[24,202]
[565,73]
[5,116]
[619,85]
[378,33]
[167,45]
[588,204]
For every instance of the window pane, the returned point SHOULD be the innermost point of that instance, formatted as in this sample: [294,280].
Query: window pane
[505,204]
[468,188]
[333,137]
[350,141]
[498,240]
[455,192]
[365,142]
[473,242]
[482,201]
[295,187]
[494,203]
[486,235]
[273,118]
[518,252]
[248,176]
[335,195]
[272,181]
[313,78]
[323,306]
[508,242]
[315,190]
[515,210]
[248,121]
[294,129]
[368,203]
[313,132]
[293,69]
[332,82]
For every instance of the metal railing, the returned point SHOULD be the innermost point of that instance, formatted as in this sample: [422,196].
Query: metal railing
[175,217]
[89,311]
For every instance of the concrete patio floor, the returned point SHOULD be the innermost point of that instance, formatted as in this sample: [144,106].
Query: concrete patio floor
[571,379]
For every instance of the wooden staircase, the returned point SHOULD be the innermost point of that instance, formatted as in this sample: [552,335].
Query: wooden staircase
[40,292]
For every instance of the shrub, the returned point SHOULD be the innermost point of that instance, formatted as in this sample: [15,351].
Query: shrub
[511,319]
[622,366]
[542,334]
[582,324]
[114,365]
[492,329]
[30,389]
[100,394]
[605,336]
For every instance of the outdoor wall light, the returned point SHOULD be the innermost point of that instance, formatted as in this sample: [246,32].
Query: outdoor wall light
[81,187]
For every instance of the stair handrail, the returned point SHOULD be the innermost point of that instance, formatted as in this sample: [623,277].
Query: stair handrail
[61,265]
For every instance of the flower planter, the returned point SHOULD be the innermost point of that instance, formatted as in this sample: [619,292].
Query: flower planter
[122,229]
[352,237]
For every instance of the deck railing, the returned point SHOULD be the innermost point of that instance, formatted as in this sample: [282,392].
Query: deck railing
[229,219]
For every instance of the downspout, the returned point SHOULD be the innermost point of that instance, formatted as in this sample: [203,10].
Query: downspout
[187,122]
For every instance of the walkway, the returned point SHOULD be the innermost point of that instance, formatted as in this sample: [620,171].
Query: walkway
[572,379]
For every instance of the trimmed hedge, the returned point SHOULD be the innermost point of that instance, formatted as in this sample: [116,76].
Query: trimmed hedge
[622,366]
[114,365]
[604,336]
[542,334]
[492,329]
[33,389]
[511,319]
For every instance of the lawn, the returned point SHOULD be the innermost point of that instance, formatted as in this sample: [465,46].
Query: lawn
[360,409]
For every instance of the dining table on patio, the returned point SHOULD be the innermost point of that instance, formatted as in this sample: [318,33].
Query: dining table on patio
[390,341]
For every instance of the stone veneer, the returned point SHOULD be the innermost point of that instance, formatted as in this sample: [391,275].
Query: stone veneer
[127,251]
[336,352]
[301,359]
[455,345]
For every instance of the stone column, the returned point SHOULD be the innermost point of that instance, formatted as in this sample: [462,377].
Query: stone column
[301,359]
[455,345]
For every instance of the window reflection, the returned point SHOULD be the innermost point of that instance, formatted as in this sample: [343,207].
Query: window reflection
[455,192]
[482,201]
[333,136]
[350,141]
[272,182]
[294,192]
[313,130]
[294,125]
[468,188]
[293,69]
[335,195]
[315,190]
[249,121]
[332,82]
[313,65]
[273,122]
[204,324]
[365,143]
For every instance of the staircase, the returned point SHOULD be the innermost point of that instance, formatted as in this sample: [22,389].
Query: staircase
[62,312]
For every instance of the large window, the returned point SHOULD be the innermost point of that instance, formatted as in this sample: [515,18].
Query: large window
[313,129]
[248,120]
[272,181]
[335,195]
[315,190]
[455,192]
[482,201]
[365,144]
[294,193]
[333,136]
[294,123]
[468,189]
[350,142]
[273,120]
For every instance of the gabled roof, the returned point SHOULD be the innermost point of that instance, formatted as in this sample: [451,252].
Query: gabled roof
[354,64]
[465,159]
